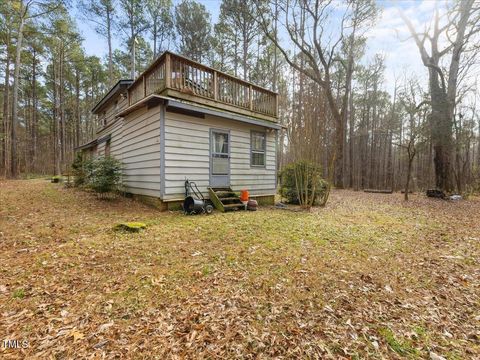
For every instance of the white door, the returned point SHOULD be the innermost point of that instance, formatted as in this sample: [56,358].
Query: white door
[219,158]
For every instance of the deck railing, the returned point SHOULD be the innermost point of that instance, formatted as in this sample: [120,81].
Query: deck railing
[196,82]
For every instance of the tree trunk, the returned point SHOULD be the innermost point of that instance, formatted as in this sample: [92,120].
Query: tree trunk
[6,113]
[109,40]
[16,84]
[409,175]
[245,56]
[62,110]
[34,125]
[77,108]
[154,31]
[347,104]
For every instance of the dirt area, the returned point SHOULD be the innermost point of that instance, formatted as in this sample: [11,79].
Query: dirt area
[369,276]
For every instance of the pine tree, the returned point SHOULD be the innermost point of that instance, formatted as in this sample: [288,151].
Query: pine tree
[192,22]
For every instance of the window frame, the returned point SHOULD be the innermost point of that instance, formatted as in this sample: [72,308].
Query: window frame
[212,148]
[264,151]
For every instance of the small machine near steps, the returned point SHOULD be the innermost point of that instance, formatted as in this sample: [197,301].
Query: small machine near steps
[223,198]
[195,202]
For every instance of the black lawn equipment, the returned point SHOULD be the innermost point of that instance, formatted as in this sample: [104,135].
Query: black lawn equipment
[195,202]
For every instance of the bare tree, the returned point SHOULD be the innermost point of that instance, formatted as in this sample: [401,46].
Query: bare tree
[409,96]
[457,27]
[305,22]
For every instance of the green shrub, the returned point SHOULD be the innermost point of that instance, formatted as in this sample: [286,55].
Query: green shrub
[301,183]
[103,174]
[78,170]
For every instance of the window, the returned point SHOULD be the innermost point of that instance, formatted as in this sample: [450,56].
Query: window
[258,149]
[220,162]
[104,118]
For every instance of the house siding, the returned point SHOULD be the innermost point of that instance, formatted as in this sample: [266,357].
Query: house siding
[138,148]
[136,142]
[111,112]
[187,155]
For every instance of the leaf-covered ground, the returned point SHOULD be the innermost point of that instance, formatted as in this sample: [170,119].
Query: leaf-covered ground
[367,277]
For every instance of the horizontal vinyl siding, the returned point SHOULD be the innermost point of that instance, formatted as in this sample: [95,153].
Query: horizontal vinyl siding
[187,155]
[111,113]
[101,149]
[140,152]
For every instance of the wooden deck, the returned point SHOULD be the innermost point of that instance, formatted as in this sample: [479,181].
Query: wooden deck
[175,76]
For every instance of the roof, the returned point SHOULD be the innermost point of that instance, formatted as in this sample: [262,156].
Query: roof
[120,86]
[94,142]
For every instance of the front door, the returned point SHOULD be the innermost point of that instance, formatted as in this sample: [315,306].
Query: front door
[219,158]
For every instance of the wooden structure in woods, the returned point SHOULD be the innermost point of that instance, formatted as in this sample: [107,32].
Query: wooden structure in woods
[183,120]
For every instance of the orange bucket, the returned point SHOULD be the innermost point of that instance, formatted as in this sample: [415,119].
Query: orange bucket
[244,195]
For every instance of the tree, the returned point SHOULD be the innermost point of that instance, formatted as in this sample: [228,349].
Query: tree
[7,21]
[240,28]
[57,86]
[363,13]
[122,59]
[25,10]
[456,28]
[133,18]
[192,22]
[102,14]
[412,106]
[36,50]
[304,22]
[159,13]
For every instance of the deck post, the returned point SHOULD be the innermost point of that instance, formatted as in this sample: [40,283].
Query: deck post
[275,110]
[215,85]
[250,97]
[168,71]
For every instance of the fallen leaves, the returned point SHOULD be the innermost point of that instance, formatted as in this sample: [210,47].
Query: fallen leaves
[366,277]
[434,356]
[102,328]
[76,335]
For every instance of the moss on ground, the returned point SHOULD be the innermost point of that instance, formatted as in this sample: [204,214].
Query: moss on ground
[130,226]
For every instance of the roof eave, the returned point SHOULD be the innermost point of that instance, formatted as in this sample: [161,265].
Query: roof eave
[118,87]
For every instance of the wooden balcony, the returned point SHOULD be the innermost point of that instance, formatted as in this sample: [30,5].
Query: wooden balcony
[178,77]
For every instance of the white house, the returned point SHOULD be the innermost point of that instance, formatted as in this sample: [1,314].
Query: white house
[183,120]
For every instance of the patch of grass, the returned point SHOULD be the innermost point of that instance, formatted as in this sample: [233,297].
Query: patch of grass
[420,331]
[18,294]
[207,269]
[401,346]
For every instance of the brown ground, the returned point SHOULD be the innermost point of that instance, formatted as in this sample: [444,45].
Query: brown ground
[369,276]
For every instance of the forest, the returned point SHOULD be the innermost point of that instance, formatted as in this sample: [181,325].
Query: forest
[337,108]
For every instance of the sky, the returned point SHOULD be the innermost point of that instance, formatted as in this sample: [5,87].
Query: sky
[389,37]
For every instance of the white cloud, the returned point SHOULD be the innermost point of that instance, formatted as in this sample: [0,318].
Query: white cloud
[390,36]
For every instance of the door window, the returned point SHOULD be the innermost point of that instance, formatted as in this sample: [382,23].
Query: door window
[220,161]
